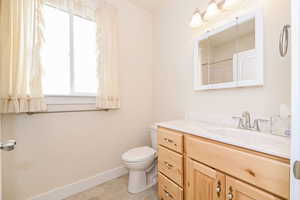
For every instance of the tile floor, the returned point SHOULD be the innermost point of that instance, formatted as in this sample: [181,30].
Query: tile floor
[115,190]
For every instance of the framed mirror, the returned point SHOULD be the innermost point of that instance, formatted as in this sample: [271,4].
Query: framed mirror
[230,55]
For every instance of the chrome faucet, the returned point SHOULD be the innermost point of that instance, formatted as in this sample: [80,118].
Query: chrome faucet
[245,122]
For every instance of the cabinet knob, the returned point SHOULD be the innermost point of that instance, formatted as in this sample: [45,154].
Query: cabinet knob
[230,195]
[218,189]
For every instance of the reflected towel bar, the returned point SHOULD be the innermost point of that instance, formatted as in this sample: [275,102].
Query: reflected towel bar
[217,62]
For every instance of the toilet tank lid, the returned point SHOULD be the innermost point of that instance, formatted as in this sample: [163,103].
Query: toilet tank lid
[139,154]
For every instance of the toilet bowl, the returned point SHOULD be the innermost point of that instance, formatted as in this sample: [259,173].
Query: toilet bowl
[141,164]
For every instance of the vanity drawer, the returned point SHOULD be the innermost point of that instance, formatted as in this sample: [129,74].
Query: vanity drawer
[168,190]
[266,172]
[171,165]
[170,139]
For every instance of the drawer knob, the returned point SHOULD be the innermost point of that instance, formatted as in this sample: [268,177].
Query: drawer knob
[168,194]
[169,166]
[169,140]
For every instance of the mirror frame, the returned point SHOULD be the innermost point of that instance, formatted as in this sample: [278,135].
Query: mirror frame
[259,47]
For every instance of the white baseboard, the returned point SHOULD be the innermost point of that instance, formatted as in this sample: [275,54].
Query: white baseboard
[80,186]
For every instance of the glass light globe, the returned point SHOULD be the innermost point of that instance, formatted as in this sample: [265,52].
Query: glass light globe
[229,4]
[212,9]
[196,20]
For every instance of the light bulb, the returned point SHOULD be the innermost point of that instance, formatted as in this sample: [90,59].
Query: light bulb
[229,4]
[212,9]
[196,20]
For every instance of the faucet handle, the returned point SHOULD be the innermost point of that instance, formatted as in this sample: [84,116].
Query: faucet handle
[236,118]
[256,124]
[246,114]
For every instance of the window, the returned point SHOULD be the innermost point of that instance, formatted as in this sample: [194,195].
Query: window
[69,55]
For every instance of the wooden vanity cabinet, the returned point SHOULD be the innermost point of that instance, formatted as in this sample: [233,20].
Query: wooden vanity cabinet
[197,168]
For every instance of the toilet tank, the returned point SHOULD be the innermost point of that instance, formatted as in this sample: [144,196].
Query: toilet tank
[153,132]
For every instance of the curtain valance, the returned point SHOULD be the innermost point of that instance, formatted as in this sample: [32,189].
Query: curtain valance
[82,8]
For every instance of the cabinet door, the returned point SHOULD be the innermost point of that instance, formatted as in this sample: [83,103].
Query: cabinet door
[204,183]
[237,190]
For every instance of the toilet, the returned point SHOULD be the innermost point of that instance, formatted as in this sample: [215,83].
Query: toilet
[141,163]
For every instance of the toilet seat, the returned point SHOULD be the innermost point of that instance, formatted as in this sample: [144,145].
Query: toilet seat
[139,154]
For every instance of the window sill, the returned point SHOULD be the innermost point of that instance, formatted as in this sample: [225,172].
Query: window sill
[72,95]
[59,103]
[70,99]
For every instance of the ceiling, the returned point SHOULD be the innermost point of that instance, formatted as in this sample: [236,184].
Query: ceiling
[147,4]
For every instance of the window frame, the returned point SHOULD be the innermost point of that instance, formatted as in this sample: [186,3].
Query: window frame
[73,98]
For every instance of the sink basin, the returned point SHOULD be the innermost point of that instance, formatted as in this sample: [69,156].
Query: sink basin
[257,141]
[252,138]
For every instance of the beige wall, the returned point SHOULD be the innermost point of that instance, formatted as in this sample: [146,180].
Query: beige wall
[58,149]
[173,66]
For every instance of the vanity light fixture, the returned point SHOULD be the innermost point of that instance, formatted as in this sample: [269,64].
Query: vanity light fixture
[197,19]
[212,9]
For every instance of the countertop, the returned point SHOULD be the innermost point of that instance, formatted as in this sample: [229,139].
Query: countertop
[261,142]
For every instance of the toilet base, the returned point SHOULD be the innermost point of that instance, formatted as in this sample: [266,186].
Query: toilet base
[138,182]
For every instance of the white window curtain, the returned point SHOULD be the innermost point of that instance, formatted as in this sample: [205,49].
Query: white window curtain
[108,57]
[106,19]
[21,39]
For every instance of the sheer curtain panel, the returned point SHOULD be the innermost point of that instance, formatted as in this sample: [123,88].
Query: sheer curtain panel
[108,57]
[21,40]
